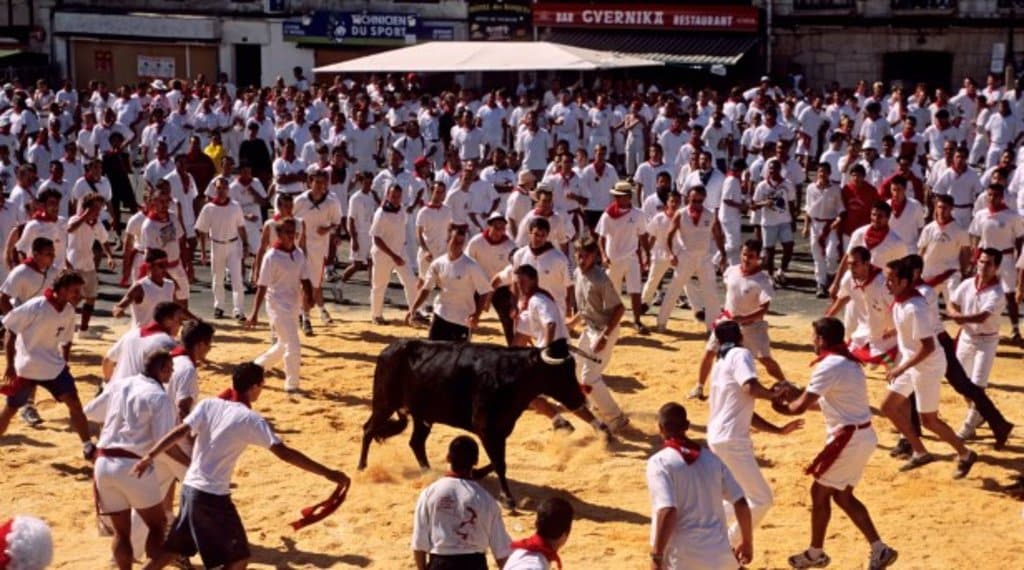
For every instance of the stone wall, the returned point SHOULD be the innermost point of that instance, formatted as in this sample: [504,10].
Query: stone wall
[848,55]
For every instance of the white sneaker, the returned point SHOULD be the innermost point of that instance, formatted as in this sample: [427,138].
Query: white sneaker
[325,317]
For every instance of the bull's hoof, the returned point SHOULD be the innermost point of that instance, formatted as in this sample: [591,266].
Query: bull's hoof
[362,467]
[482,472]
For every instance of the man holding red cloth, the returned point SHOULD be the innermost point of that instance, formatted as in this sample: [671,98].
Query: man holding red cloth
[839,388]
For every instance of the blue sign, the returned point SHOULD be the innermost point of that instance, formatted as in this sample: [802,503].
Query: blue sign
[365,28]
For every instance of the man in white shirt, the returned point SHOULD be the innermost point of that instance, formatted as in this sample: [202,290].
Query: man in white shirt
[823,203]
[838,387]
[127,356]
[976,306]
[1002,228]
[223,222]
[882,242]
[432,224]
[320,213]
[775,197]
[388,232]
[622,232]
[84,231]
[361,206]
[135,412]
[39,334]
[648,171]
[918,373]
[908,215]
[689,487]
[207,521]
[456,520]
[945,248]
[464,291]
[963,184]
[164,231]
[870,317]
[734,389]
[284,283]
[290,171]
[534,144]
[691,233]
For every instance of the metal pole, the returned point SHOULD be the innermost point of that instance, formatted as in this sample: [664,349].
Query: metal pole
[1009,61]
[768,37]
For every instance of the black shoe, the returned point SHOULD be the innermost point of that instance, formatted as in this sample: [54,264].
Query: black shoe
[1002,434]
[307,327]
[240,317]
[822,292]
[1015,337]
[644,307]
[562,424]
[902,450]
[699,315]
[963,466]
[218,313]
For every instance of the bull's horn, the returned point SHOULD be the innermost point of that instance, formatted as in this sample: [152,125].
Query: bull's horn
[548,359]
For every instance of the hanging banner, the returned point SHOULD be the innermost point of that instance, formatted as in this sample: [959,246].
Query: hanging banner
[162,67]
[500,20]
[359,28]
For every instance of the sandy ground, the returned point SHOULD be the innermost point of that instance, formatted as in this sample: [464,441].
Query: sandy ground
[933,521]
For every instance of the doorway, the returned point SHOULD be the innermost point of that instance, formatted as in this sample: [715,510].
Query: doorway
[933,68]
[248,65]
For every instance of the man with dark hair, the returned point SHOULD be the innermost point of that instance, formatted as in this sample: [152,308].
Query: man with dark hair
[918,371]
[540,551]
[877,237]
[125,357]
[944,247]
[39,334]
[208,522]
[839,389]
[870,316]
[456,520]
[1000,227]
[688,486]
[464,291]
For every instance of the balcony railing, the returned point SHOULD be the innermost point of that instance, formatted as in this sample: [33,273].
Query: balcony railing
[923,5]
[822,4]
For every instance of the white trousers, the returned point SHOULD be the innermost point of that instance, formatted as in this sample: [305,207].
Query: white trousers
[383,265]
[286,346]
[733,242]
[634,154]
[654,276]
[826,260]
[738,456]
[706,295]
[977,354]
[227,257]
[591,373]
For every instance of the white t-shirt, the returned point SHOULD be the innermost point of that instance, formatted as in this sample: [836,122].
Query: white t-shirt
[781,196]
[744,294]
[282,273]
[731,407]
[439,522]
[698,492]
[525,560]
[552,270]
[694,238]
[165,235]
[283,167]
[732,190]
[909,223]
[915,322]
[492,257]
[434,222]
[890,248]
[221,222]
[647,175]
[360,208]
[25,282]
[940,247]
[222,430]
[80,242]
[129,352]
[390,228]
[972,300]
[561,232]
[458,281]
[843,392]
[314,216]
[542,311]
[869,303]
[152,295]
[999,230]
[622,235]
[658,228]
[135,412]
[185,199]
[184,382]
[42,332]
[823,203]
[57,232]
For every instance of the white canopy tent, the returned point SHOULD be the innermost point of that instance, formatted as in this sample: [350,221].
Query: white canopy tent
[443,56]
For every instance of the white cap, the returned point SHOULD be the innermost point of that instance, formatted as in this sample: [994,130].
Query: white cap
[869,144]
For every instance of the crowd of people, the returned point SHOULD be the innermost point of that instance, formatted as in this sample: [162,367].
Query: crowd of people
[545,204]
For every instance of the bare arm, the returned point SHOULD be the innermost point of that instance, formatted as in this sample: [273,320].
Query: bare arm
[300,460]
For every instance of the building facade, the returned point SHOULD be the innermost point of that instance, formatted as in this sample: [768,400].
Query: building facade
[938,42]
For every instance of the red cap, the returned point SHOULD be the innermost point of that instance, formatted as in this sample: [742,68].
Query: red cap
[421,161]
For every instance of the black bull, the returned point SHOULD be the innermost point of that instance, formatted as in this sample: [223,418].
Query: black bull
[480,388]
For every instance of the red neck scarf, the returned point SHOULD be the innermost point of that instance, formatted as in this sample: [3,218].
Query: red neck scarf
[31,262]
[494,240]
[689,450]
[746,273]
[872,273]
[897,208]
[280,246]
[222,201]
[538,545]
[997,209]
[434,206]
[979,286]
[838,350]
[42,216]
[51,297]
[694,215]
[152,214]
[152,329]
[232,396]
[180,351]
[455,475]
[873,237]
[617,212]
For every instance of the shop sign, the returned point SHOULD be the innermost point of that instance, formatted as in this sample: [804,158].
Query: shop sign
[497,20]
[647,16]
[365,28]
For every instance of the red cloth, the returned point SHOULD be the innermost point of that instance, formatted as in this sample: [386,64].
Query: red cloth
[874,237]
[979,286]
[694,216]
[230,395]
[5,530]
[221,201]
[838,350]
[42,216]
[996,209]
[872,273]
[151,329]
[905,296]
[824,460]
[323,509]
[897,209]
[12,388]
[52,298]
[858,202]
[914,184]
[617,212]
[689,451]
[538,545]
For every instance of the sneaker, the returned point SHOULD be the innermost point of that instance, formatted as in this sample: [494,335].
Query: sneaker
[89,451]
[901,450]
[683,303]
[697,393]
[641,328]
[916,461]
[644,308]
[804,560]
[218,313]
[659,298]
[562,424]
[822,292]
[239,317]
[307,327]
[963,466]
[965,432]
[1015,337]
[325,317]
[780,278]
[882,559]
[30,416]
[618,424]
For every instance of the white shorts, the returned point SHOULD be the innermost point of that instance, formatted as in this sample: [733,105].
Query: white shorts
[776,234]
[317,258]
[849,466]
[755,339]
[177,273]
[118,489]
[924,385]
[628,268]
[682,558]
[1008,273]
